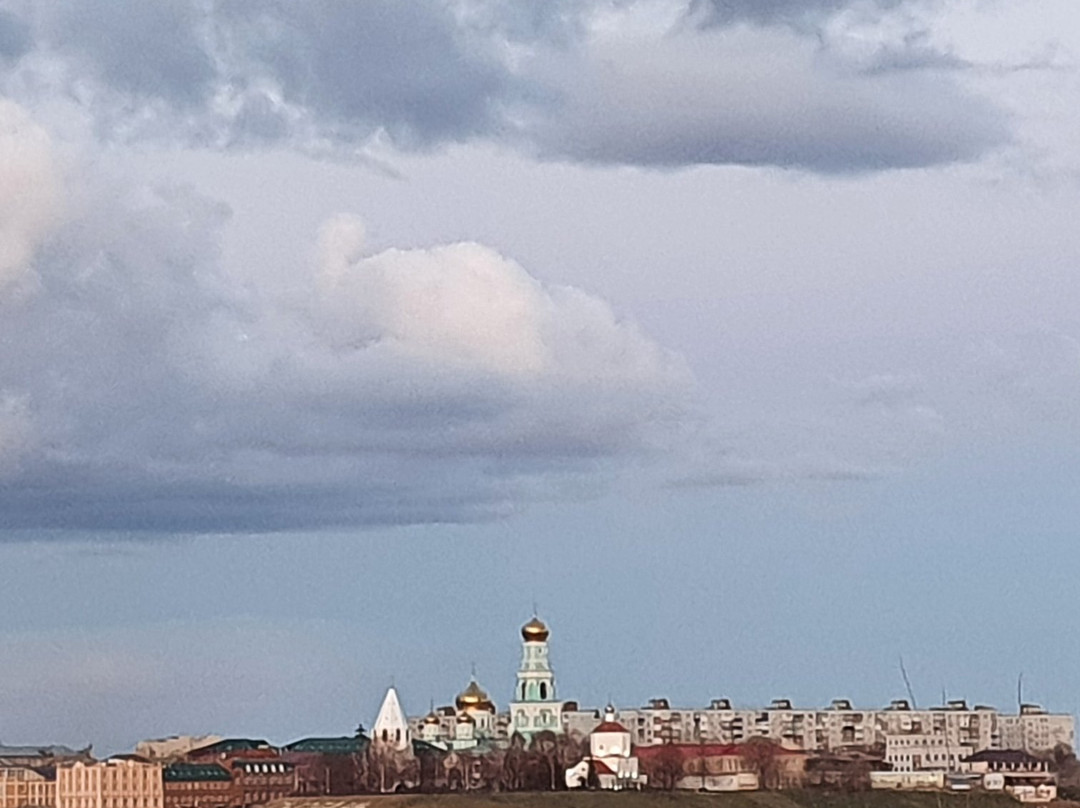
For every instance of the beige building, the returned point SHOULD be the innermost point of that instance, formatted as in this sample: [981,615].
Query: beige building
[23,787]
[914,753]
[124,781]
[174,747]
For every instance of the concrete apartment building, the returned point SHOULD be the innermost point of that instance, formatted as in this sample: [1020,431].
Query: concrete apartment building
[23,787]
[838,727]
[125,781]
[914,753]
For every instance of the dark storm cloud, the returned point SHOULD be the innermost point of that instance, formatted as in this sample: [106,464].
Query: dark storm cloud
[771,12]
[154,50]
[326,76]
[403,65]
[15,37]
[765,98]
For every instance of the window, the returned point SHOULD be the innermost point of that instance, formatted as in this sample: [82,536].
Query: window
[543,690]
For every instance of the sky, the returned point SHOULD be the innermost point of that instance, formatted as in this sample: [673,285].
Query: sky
[737,337]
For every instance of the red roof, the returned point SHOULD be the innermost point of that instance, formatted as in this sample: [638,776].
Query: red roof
[611,726]
[600,767]
[691,751]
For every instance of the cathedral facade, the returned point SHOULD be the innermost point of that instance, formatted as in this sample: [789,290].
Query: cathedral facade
[473,721]
[535,707]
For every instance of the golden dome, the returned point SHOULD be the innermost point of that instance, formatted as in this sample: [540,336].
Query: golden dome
[474,697]
[431,719]
[535,631]
[465,718]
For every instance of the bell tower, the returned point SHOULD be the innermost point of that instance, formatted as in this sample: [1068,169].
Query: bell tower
[535,707]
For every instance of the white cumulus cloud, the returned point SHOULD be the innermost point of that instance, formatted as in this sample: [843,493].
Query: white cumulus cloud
[167,392]
[29,191]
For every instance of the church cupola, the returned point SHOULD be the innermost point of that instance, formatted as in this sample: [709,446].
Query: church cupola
[535,707]
[535,631]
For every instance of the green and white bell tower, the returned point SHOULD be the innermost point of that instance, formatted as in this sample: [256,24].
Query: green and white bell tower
[535,707]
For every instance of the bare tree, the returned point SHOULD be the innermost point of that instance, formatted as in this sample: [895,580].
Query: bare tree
[760,755]
[515,764]
[664,767]
[545,748]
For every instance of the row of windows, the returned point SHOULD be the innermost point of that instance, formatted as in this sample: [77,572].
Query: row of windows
[191,785]
[109,802]
[281,768]
[544,718]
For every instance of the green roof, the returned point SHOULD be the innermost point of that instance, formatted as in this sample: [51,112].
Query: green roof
[329,746]
[188,772]
[231,745]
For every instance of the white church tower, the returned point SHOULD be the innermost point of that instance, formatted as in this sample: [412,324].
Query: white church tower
[391,728]
[535,707]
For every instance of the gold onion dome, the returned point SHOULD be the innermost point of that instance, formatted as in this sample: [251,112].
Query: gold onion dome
[474,697]
[535,631]
[465,718]
[431,719]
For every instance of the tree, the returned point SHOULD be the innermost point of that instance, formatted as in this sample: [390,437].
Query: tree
[664,767]
[512,776]
[545,748]
[492,767]
[569,752]
[761,757]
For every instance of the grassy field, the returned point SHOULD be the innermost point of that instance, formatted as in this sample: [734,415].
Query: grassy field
[654,799]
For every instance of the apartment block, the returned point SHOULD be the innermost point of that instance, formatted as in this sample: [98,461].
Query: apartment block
[838,727]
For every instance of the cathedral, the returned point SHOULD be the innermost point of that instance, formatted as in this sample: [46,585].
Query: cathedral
[535,707]
[473,722]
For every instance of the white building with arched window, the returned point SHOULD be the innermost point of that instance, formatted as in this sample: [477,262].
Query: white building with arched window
[535,707]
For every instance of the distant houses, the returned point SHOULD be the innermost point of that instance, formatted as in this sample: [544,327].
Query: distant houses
[542,742]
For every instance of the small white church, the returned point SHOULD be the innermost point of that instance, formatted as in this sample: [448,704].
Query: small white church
[610,760]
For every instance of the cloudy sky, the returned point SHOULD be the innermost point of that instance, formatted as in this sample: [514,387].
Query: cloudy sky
[741,336]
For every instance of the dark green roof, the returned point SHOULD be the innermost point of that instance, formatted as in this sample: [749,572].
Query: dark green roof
[425,748]
[231,745]
[188,772]
[329,746]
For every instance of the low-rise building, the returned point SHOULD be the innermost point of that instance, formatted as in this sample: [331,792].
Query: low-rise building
[922,752]
[723,767]
[327,766]
[198,785]
[124,781]
[24,787]
[174,747]
[908,781]
[1026,777]
[231,748]
[258,781]
[38,756]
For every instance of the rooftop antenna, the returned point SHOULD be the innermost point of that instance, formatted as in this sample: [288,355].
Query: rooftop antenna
[474,671]
[1020,710]
[907,684]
